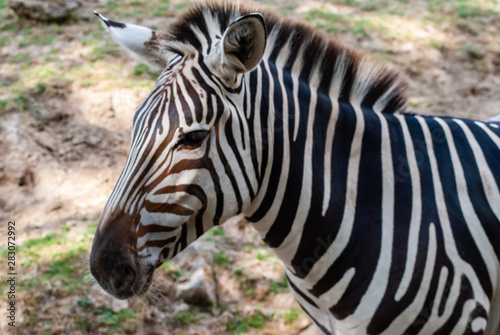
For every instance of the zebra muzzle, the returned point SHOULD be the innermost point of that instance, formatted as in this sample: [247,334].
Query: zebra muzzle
[114,262]
[120,275]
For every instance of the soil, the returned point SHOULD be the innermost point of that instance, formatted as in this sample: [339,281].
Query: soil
[59,164]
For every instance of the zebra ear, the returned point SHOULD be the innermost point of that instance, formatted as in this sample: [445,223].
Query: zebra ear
[143,43]
[244,43]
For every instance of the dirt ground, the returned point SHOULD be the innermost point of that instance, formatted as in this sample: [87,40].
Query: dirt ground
[67,95]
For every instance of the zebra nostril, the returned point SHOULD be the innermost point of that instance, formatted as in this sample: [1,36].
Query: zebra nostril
[122,277]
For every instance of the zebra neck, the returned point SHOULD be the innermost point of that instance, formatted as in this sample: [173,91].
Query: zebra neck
[304,116]
[292,124]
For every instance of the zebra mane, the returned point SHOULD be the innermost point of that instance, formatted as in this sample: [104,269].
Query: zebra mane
[359,80]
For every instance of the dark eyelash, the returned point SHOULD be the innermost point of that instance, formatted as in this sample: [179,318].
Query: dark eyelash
[193,138]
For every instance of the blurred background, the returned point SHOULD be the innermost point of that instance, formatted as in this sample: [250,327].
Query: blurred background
[67,94]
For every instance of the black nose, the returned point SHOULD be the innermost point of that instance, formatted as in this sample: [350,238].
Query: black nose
[114,270]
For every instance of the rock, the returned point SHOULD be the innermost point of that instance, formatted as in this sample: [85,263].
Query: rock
[47,140]
[200,289]
[45,11]
[407,47]
[66,306]
[181,308]
[119,305]
[27,179]
[58,329]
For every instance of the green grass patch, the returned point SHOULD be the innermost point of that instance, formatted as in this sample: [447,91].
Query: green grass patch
[9,26]
[261,256]
[65,268]
[90,41]
[217,231]
[99,52]
[140,69]
[221,258]
[473,51]
[83,303]
[36,40]
[167,266]
[291,316]
[21,101]
[185,317]
[40,87]
[4,40]
[42,72]
[162,9]
[320,14]
[278,287]
[360,27]
[256,321]
[321,19]
[174,271]
[241,326]
[236,327]
[123,319]
[466,11]
[21,57]
[413,104]
[35,245]
[36,248]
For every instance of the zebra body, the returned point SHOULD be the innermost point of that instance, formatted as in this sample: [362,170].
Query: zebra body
[387,223]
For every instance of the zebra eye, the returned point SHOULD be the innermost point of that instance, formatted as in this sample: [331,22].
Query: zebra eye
[194,138]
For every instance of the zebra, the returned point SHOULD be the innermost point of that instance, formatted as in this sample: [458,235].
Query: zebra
[386,222]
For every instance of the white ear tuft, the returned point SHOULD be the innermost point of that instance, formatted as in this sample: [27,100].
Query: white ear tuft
[142,42]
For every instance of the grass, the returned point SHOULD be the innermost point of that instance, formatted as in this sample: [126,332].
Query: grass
[4,40]
[322,19]
[140,69]
[185,317]
[63,268]
[221,258]
[217,231]
[291,316]
[261,256]
[467,10]
[100,51]
[117,320]
[174,271]
[60,254]
[43,72]
[473,51]
[239,325]
[36,40]
[278,287]
[63,275]
[20,57]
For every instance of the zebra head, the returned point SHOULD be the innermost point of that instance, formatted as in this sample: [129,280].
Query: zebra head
[183,172]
